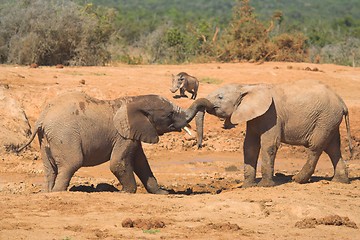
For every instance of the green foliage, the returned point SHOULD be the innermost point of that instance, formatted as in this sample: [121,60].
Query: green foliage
[246,37]
[94,32]
[343,53]
[249,39]
[74,35]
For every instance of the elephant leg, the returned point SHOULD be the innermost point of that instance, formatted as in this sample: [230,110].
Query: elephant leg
[49,167]
[269,147]
[309,168]
[67,163]
[121,164]
[334,152]
[63,178]
[251,154]
[143,171]
[60,163]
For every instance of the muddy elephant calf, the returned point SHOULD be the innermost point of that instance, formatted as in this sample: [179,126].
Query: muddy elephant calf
[76,130]
[305,113]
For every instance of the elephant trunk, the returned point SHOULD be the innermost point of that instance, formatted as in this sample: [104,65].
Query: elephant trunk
[199,105]
[199,120]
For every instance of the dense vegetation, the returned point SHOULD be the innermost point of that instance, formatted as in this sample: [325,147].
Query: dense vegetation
[95,32]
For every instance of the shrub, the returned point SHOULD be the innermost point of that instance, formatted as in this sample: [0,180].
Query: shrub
[290,48]
[343,53]
[246,37]
[167,45]
[52,32]
[249,39]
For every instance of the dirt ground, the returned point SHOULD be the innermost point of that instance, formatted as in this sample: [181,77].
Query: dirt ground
[206,200]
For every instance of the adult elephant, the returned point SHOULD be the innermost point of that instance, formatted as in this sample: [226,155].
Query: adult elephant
[303,113]
[76,130]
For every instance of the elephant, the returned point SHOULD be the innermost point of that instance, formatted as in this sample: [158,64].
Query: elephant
[76,130]
[305,113]
[184,81]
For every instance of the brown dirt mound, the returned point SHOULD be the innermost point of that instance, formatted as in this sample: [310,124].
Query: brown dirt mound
[145,224]
[334,220]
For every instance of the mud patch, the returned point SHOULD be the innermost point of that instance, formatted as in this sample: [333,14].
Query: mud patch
[334,220]
[223,226]
[145,224]
[209,185]
[101,187]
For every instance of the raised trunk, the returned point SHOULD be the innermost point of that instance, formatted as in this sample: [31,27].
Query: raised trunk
[201,105]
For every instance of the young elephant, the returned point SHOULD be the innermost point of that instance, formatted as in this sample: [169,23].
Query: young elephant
[303,113]
[75,130]
[184,81]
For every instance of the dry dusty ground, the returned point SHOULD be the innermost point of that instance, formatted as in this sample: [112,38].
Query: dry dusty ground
[207,201]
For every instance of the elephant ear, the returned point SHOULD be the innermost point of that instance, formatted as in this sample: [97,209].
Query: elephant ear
[132,123]
[253,102]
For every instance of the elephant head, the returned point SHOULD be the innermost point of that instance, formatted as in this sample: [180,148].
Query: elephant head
[145,118]
[236,103]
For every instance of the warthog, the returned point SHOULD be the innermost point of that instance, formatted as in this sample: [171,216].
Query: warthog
[184,81]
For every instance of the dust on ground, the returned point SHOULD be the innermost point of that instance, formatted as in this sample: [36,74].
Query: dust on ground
[206,199]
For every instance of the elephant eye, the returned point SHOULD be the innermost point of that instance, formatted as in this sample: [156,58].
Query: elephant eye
[220,96]
[171,114]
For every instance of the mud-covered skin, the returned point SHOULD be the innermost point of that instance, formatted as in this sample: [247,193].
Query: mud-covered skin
[76,130]
[305,113]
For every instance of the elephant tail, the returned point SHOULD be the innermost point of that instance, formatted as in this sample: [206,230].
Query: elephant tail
[347,123]
[35,131]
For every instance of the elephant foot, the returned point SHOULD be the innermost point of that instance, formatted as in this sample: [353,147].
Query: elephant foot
[341,174]
[300,179]
[128,190]
[266,183]
[341,179]
[161,191]
[248,184]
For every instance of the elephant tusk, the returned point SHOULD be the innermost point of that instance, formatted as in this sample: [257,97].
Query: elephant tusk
[187,130]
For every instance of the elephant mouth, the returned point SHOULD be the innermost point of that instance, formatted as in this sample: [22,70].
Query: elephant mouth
[172,128]
[216,110]
[212,110]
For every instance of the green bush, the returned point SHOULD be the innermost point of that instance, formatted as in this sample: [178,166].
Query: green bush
[76,32]
[343,53]
[249,39]
[167,45]
[52,32]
